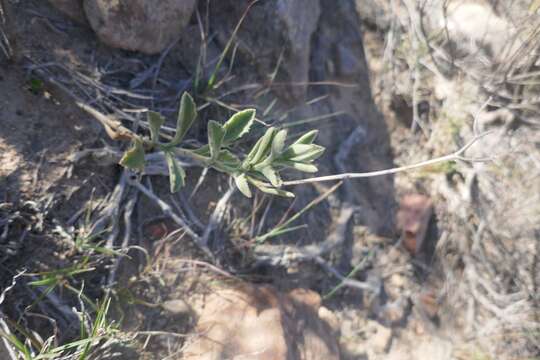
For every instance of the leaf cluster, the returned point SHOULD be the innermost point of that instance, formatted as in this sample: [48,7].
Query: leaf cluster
[261,167]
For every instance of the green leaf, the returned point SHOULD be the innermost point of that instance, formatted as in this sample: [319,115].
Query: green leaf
[311,155]
[274,191]
[300,166]
[302,152]
[281,232]
[177,175]
[45,281]
[242,185]
[227,162]
[272,176]
[261,148]
[36,85]
[186,117]
[203,151]
[215,138]
[227,157]
[296,150]
[278,143]
[238,125]
[269,190]
[308,138]
[155,121]
[134,157]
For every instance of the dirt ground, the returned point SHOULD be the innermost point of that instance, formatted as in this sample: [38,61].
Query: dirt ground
[55,193]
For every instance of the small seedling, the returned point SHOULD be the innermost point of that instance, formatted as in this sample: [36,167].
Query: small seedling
[35,86]
[261,167]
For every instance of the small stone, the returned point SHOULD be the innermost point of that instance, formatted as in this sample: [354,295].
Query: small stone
[397,280]
[176,307]
[413,219]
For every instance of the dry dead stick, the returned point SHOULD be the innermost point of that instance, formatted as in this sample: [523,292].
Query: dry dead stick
[114,128]
[458,155]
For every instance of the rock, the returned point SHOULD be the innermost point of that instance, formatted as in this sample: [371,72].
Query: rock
[139,25]
[72,8]
[285,40]
[413,219]
[258,322]
[300,18]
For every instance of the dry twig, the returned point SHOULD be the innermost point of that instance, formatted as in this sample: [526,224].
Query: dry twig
[458,155]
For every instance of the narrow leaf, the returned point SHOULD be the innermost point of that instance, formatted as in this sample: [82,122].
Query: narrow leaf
[177,175]
[278,143]
[296,150]
[308,138]
[215,138]
[275,233]
[300,166]
[43,282]
[186,117]
[134,157]
[238,125]
[311,155]
[274,191]
[227,162]
[213,76]
[203,151]
[155,121]
[302,152]
[261,148]
[272,176]
[242,185]
[269,190]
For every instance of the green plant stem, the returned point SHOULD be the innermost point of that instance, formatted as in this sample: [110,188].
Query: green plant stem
[212,80]
[203,160]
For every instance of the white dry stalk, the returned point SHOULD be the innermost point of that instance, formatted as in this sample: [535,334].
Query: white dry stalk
[457,155]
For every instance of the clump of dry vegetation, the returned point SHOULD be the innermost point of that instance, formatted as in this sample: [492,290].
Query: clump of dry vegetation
[466,68]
